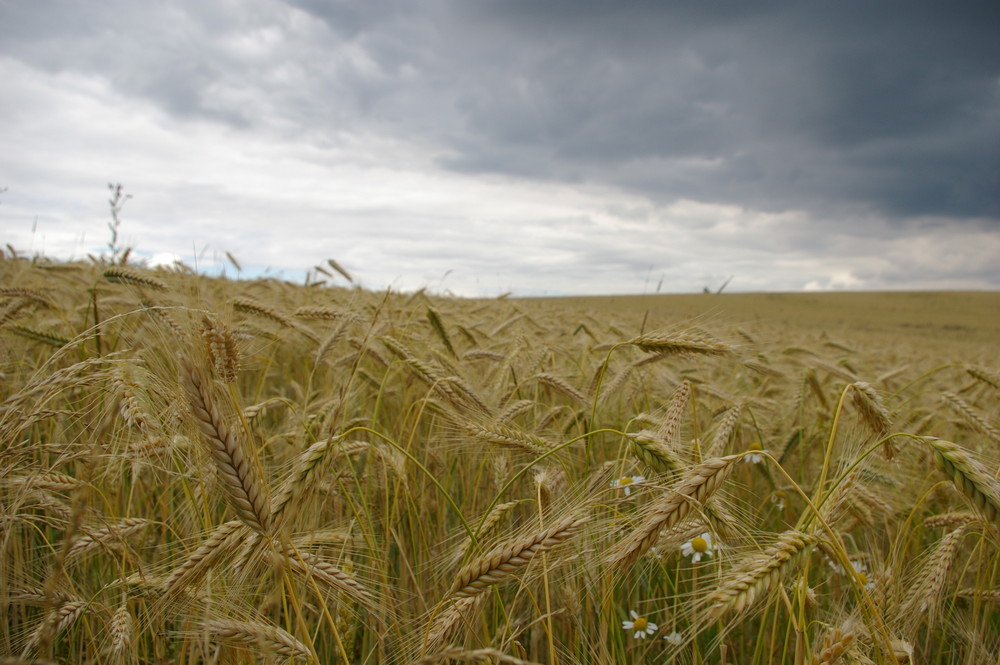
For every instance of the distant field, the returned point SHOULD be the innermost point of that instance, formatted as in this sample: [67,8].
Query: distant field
[195,470]
[953,316]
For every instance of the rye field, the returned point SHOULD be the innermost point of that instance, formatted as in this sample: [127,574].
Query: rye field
[200,470]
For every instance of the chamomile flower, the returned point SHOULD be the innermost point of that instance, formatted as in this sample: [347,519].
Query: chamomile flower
[674,638]
[778,499]
[698,547]
[755,457]
[640,625]
[625,483]
[861,572]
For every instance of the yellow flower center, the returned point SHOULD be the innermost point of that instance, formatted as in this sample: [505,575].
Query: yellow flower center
[863,578]
[699,544]
[640,623]
[624,480]
[755,446]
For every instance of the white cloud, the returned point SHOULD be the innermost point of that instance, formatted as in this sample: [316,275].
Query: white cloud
[284,139]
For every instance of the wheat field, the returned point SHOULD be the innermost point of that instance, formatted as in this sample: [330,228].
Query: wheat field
[201,470]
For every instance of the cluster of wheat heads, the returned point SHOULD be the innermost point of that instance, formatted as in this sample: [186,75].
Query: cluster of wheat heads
[197,470]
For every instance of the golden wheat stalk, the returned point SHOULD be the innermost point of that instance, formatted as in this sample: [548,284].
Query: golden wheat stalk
[874,414]
[485,529]
[655,452]
[265,637]
[53,482]
[515,409]
[220,342]
[949,520]
[39,297]
[561,385]
[251,306]
[674,506]
[986,595]
[121,628]
[835,644]
[236,462]
[434,318]
[48,338]
[311,566]
[927,589]
[120,275]
[725,430]
[680,343]
[756,575]
[131,403]
[987,376]
[466,394]
[483,354]
[305,466]
[505,436]
[208,554]
[968,476]
[54,623]
[108,536]
[447,624]
[506,559]
[320,313]
[459,654]
[973,418]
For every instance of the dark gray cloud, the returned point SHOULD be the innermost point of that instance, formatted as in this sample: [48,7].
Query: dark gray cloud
[821,126]
[831,106]
[826,107]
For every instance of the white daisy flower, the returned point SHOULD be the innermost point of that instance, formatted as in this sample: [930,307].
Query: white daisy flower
[674,638]
[755,457]
[778,499]
[640,625]
[625,483]
[698,547]
[861,572]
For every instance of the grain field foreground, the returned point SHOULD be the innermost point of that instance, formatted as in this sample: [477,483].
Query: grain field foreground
[196,470]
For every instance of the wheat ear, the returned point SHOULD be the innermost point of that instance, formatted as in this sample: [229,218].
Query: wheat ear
[655,452]
[109,535]
[220,342]
[757,575]
[458,654]
[725,429]
[680,343]
[305,467]
[270,639]
[926,591]
[873,412]
[694,489]
[203,558]
[55,622]
[968,476]
[121,275]
[121,627]
[236,462]
[448,622]
[972,417]
[835,644]
[506,559]
[505,436]
[311,566]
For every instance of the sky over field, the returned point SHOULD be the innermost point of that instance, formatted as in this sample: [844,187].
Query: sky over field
[540,147]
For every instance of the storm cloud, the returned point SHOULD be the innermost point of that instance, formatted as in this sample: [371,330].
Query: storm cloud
[585,146]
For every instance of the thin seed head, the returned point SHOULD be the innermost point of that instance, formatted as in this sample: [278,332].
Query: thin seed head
[235,461]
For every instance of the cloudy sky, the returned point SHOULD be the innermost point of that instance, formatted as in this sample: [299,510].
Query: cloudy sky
[533,146]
